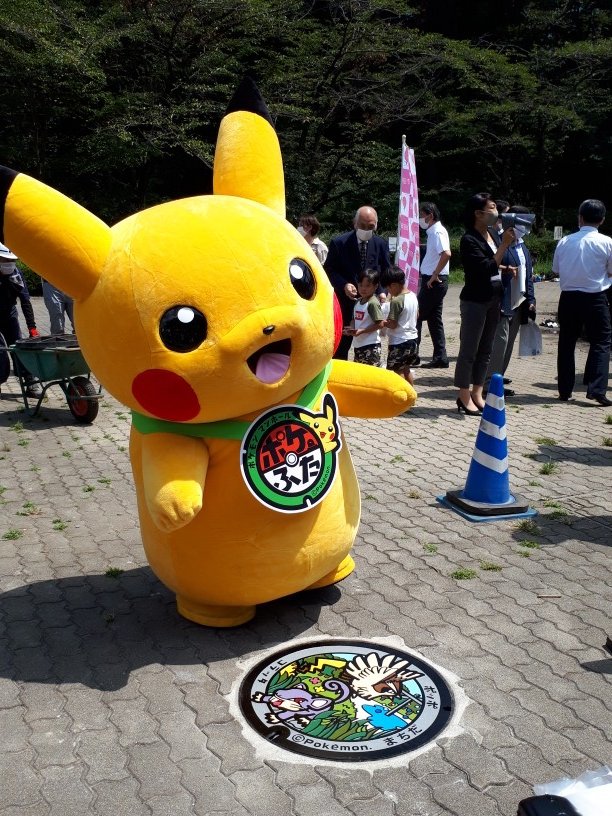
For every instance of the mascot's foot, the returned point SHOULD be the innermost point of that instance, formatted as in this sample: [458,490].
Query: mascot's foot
[343,569]
[217,616]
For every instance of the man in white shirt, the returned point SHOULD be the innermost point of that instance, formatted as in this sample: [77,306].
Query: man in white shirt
[434,282]
[583,262]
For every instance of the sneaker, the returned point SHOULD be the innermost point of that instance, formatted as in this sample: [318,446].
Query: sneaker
[436,364]
[34,391]
[507,380]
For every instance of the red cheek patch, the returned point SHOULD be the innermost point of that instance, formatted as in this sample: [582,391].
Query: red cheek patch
[166,395]
[338,323]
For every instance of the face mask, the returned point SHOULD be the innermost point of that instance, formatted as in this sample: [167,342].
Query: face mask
[520,231]
[364,235]
[7,268]
[423,224]
[491,217]
[301,230]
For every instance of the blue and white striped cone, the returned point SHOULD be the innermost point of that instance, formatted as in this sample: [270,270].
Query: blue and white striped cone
[486,495]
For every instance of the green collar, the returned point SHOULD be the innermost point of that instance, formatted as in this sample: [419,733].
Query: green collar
[225,428]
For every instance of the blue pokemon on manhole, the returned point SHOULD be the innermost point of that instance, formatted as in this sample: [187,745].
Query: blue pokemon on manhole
[346,700]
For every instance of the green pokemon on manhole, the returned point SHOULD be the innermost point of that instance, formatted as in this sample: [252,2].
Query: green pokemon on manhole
[346,700]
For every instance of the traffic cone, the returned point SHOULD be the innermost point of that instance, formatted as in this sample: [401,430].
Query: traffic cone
[486,495]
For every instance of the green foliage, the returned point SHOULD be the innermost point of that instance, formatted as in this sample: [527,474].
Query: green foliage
[118,104]
[464,574]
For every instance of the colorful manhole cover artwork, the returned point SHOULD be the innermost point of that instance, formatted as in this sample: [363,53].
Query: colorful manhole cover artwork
[346,700]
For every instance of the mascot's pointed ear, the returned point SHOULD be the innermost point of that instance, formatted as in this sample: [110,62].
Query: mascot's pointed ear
[54,235]
[248,160]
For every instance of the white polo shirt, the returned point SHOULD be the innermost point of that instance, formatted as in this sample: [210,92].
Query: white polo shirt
[437,242]
[583,261]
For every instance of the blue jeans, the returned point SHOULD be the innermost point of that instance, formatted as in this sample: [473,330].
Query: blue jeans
[58,305]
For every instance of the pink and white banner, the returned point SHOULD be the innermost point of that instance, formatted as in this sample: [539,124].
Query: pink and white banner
[408,254]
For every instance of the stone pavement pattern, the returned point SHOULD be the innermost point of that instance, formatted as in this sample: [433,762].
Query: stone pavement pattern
[112,704]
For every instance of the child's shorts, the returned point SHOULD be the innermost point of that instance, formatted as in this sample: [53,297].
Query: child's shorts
[369,355]
[402,355]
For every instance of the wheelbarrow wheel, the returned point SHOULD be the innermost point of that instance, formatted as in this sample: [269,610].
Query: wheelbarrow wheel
[83,410]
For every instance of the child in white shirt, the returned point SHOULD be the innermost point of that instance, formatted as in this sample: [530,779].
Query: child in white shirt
[401,325]
[367,320]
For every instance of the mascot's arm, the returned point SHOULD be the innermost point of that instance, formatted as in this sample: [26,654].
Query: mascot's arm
[366,391]
[173,473]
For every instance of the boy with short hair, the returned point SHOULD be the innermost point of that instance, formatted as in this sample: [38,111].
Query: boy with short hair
[367,320]
[401,324]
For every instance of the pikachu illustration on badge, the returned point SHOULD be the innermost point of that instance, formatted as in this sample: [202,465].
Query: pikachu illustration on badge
[222,348]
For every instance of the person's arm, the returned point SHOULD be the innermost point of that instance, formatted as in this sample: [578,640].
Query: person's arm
[477,260]
[443,259]
[394,312]
[26,305]
[333,267]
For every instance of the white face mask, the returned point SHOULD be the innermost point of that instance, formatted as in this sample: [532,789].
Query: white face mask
[423,224]
[7,268]
[301,230]
[364,235]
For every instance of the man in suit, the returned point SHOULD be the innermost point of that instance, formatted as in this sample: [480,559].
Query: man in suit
[349,254]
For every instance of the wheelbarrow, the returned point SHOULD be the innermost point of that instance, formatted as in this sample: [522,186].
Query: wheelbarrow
[56,360]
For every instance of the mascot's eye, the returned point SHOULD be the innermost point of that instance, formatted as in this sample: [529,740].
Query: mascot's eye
[182,328]
[302,279]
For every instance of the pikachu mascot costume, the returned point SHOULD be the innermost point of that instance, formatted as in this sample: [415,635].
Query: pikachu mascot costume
[212,319]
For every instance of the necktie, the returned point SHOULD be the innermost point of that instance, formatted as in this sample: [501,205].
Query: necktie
[363,249]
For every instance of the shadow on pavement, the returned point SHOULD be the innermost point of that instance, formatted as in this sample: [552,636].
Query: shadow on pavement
[95,630]
[598,666]
[559,527]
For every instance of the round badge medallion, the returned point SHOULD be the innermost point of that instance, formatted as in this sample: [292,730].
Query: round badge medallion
[346,700]
[289,456]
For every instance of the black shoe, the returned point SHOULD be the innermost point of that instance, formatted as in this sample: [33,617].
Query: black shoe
[436,364]
[461,409]
[600,399]
[508,392]
[416,362]
[564,399]
[507,380]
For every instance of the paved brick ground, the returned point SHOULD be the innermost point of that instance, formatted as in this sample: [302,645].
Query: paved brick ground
[111,704]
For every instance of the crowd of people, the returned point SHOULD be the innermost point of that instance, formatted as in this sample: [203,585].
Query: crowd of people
[496,299]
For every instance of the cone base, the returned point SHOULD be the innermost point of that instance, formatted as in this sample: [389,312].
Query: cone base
[480,511]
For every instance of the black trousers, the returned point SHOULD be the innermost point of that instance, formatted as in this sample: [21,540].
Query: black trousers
[591,310]
[430,310]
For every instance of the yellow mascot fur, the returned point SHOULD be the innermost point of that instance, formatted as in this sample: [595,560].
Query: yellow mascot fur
[212,319]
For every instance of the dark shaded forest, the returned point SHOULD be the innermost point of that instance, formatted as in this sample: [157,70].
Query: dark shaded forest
[117,104]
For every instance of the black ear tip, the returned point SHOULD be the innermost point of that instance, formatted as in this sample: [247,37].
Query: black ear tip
[248,98]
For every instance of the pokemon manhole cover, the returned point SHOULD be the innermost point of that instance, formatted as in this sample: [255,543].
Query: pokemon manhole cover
[346,700]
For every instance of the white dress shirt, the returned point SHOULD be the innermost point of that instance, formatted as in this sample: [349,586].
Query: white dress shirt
[437,242]
[583,261]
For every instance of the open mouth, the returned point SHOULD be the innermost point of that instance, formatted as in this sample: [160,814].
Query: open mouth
[270,363]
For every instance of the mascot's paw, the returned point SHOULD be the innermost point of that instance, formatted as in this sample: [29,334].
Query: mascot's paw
[175,506]
[271,718]
[257,697]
